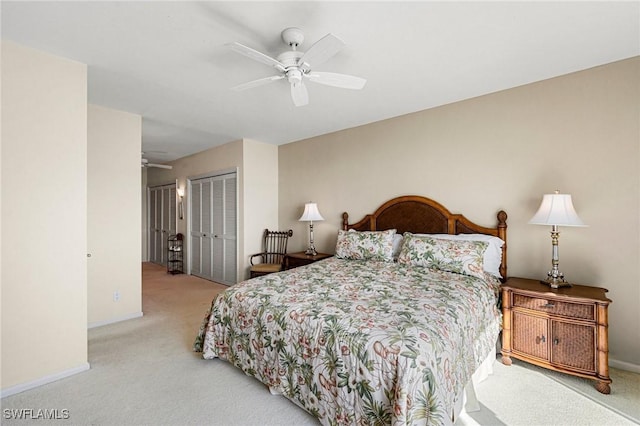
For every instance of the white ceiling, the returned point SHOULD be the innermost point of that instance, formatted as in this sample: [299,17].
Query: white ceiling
[168,62]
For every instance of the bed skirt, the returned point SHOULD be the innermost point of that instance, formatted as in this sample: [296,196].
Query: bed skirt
[469,402]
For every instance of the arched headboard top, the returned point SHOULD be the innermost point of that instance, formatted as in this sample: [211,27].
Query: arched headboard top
[421,215]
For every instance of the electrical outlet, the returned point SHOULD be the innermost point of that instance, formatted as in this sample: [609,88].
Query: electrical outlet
[116,296]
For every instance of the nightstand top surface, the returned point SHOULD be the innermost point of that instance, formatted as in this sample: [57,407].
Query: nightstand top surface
[541,289]
[303,255]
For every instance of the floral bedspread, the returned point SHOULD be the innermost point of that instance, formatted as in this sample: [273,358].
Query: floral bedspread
[358,342]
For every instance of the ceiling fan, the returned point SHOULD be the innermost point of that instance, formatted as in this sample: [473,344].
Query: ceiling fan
[296,66]
[146,163]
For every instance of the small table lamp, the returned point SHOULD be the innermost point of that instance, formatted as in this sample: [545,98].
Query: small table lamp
[310,214]
[556,210]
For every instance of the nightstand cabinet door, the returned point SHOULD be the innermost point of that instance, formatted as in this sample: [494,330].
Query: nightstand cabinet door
[530,335]
[573,346]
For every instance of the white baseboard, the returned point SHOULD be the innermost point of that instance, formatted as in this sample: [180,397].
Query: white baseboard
[621,365]
[115,320]
[43,380]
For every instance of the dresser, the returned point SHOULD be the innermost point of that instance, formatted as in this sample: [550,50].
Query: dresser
[563,329]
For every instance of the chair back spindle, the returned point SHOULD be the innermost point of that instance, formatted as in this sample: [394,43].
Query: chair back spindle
[275,245]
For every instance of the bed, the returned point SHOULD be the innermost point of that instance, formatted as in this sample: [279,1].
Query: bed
[388,331]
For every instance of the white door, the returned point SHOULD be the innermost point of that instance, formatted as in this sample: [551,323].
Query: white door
[213,228]
[162,221]
[195,251]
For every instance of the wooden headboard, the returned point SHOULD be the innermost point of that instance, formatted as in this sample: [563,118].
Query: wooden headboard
[421,215]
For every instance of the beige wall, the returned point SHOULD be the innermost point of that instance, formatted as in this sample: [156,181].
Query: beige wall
[113,232]
[578,133]
[44,225]
[260,195]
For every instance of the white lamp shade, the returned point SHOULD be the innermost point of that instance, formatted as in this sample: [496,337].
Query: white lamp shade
[556,209]
[311,213]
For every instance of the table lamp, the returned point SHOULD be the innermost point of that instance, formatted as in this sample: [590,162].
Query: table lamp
[556,210]
[310,214]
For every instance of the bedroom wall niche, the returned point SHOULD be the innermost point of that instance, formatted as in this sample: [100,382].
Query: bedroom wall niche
[256,164]
[496,152]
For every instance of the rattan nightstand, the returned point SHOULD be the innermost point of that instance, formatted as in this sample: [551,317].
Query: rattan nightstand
[563,329]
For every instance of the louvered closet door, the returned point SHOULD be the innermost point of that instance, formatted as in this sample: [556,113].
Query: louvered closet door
[224,229]
[165,223]
[213,228]
[162,221]
[168,218]
[196,228]
[207,237]
[154,229]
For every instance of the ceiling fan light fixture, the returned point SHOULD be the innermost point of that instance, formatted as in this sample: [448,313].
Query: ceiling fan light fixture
[294,76]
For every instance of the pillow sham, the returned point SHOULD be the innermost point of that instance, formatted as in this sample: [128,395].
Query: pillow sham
[365,245]
[459,256]
[492,257]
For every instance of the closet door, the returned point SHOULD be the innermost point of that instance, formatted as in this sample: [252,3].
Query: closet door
[195,198]
[162,221]
[155,220]
[213,228]
[224,229]
[206,239]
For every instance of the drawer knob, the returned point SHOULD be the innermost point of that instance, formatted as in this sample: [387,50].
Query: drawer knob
[549,305]
[556,341]
[540,339]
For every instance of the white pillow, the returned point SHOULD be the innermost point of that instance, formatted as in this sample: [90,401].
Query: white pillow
[397,245]
[493,254]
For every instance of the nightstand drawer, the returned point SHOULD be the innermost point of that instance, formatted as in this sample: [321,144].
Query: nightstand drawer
[555,307]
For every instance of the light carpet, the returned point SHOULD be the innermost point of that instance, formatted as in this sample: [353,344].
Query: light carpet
[143,372]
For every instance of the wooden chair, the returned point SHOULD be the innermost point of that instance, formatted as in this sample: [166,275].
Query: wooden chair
[274,246]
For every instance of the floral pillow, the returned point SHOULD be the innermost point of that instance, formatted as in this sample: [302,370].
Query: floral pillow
[365,245]
[462,257]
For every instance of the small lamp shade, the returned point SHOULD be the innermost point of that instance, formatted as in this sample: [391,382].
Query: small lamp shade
[311,213]
[556,209]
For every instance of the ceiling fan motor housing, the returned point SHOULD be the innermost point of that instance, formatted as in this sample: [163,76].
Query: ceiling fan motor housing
[292,36]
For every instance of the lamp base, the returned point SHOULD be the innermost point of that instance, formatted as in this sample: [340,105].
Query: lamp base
[311,251]
[556,282]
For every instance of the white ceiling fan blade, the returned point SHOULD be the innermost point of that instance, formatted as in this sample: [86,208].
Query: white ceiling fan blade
[337,80]
[321,50]
[160,166]
[299,94]
[256,56]
[256,83]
